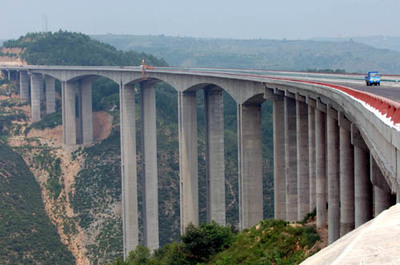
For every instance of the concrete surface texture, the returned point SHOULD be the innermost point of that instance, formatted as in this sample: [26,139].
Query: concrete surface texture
[375,242]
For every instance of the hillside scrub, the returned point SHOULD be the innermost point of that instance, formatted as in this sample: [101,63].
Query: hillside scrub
[26,234]
[269,242]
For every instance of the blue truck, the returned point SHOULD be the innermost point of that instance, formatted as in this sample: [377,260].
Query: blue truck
[373,79]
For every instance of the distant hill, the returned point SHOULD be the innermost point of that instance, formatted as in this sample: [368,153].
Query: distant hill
[381,42]
[70,48]
[267,54]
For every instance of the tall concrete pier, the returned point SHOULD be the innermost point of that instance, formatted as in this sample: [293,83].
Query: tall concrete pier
[383,198]
[77,123]
[51,95]
[362,183]
[85,113]
[149,160]
[332,160]
[320,145]
[215,155]
[188,164]
[279,159]
[128,169]
[36,88]
[290,158]
[312,154]
[303,172]
[346,176]
[24,85]
[250,165]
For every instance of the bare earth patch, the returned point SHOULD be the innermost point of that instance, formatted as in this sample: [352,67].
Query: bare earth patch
[102,125]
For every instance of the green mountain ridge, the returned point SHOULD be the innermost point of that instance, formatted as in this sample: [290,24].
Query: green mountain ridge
[260,53]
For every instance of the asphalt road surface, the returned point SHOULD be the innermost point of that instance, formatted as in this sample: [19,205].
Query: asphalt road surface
[390,92]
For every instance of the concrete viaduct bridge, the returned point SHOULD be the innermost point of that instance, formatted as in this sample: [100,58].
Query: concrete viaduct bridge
[335,149]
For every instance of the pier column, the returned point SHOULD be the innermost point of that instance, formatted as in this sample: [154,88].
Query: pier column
[303,173]
[290,158]
[215,155]
[36,89]
[149,161]
[346,176]
[382,194]
[86,113]
[250,165]
[128,169]
[362,183]
[279,159]
[332,168]
[188,164]
[311,154]
[50,94]
[320,150]
[69,89]
[24,85]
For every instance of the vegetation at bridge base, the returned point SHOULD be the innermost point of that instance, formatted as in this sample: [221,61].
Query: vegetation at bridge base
[49,121]
[26,234]
[269,242]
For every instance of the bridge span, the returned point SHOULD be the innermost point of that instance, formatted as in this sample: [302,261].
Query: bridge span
[336,149]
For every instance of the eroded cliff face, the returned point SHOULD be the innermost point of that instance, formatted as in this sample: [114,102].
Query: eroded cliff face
[11,56]
[56,167]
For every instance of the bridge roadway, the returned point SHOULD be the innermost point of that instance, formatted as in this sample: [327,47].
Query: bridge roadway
[333,145]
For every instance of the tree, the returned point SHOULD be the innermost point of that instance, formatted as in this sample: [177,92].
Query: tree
[140,255]
[199,243]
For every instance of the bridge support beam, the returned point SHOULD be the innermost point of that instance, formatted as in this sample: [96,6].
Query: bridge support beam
[250,165]
[50,94]
[382,195]
[69,90]
[77,129]
[332,160]
[24,85]
[188,164]
[320,148]
[36,89]
[311,154]
[303,173]
[279,160]
[290,158]
[382,200]
[215,155]
[362,184]
[86,113]
[346,177]
[128,169]
[149,160]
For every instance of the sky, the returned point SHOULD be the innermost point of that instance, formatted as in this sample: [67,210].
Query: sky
[237,19]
